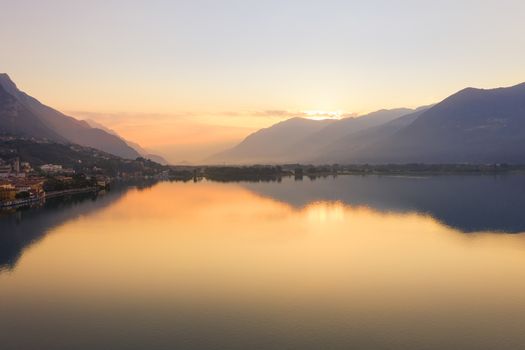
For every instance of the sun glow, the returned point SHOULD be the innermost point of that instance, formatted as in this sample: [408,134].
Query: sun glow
[321,115]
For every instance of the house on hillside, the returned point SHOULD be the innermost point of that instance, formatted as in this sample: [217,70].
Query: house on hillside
[7,191]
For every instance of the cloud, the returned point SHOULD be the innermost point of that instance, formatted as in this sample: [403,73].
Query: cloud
[218,117]
[311,114]
[277,114]
[126,116]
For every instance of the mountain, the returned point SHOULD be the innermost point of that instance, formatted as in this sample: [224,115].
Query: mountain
[21,114]
[271,145]
[340,150]
[146,153]
[17,119]
[142,151]
[299,139]
[352,125]
[308,147]
[94,124]
[471,126]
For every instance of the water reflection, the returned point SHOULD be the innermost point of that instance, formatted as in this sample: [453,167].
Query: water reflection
[467,203]
[23,227]
[228,266]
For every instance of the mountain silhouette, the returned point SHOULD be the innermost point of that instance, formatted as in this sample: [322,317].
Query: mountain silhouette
[471,126]
[273,144]
[299,139]
[21,114]
[141,150]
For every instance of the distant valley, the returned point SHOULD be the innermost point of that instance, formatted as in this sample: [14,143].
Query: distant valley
[25,116]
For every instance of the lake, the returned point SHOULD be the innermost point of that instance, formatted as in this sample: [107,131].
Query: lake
[362,262]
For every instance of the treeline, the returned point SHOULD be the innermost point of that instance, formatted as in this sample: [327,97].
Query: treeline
[244,173]
[275,173]
[52,184]
[431,169]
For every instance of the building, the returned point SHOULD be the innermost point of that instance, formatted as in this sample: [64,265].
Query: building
[16,166]
[64,179]
[5,171]
[102,181]
[51,168]
[16,188]
[33,186]
[26,167]
[7,191]
[56,169]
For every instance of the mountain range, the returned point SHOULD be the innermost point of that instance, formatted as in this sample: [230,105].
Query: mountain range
[470,126]
[23,115]
[141,150]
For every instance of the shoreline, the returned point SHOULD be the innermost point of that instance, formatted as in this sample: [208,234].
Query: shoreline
[19,203]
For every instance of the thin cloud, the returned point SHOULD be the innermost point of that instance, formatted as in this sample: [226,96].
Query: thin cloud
[277,114]
[312,114]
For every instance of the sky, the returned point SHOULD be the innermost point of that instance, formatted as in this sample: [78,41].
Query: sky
[190,78]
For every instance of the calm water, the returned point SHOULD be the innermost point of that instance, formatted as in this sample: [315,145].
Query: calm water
[352,262]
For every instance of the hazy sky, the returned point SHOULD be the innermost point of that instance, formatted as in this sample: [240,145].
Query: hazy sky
[184,76]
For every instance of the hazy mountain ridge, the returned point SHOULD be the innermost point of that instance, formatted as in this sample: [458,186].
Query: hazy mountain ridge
[269,145]
[301,139]
[470,126]
[141,150]
[24,115]
[16,119]
[310,147]
[356,143]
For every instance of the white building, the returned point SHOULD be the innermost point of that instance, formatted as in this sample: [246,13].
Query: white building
[5,171]
[51,168]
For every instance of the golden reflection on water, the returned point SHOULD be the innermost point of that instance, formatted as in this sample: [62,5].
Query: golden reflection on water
[327,265]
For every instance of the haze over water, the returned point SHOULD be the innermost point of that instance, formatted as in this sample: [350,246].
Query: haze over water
[336,263]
